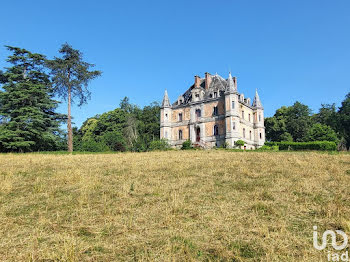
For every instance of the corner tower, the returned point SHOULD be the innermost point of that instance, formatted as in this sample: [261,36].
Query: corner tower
[165,117]
[231,111]
[259,127]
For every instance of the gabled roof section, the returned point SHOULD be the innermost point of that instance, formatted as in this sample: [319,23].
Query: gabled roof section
[216,84]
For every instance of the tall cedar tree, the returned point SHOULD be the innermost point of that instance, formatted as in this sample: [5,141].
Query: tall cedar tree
[27,108]
[70,77]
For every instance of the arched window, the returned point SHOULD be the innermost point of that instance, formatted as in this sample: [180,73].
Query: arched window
[249,117]
[243,132]
[233,125]
[260,136]
[250,135]
[216,130]
[233,104]
[180,134]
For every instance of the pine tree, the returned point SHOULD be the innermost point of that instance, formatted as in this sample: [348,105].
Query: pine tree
[71,76]
[27,108]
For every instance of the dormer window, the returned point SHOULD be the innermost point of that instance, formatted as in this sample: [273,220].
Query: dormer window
[197,95]
[215,94]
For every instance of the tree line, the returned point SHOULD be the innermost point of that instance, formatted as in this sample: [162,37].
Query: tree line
[297,123]
[29,122]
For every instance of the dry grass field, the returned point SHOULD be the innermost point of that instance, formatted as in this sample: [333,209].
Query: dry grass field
[171,206]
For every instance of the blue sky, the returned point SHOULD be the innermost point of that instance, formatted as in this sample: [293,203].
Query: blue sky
[289,50]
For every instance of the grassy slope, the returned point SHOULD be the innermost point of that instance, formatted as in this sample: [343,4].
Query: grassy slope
[196,205]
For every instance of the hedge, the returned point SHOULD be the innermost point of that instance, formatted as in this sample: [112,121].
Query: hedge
[314,145]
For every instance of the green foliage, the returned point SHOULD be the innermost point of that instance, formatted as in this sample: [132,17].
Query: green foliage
[327,115]
[27,112]
[289,123]
[320,132]
[127,128]
[344,119]
[286,137]
[239,143]
[161,144]
[315,145]
[71,73]
[268,148]
[91,145]
[186,145]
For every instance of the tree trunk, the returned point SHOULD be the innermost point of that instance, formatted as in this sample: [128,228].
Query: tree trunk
[69,122]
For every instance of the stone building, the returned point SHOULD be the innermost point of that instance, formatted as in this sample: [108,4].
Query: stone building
[213,113]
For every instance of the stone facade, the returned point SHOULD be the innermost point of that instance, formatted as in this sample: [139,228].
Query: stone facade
[212,113]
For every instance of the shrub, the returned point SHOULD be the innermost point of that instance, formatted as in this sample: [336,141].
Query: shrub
[91,145]
[239,143]
[186,145]
[159,145]
[268,148]
[314,145]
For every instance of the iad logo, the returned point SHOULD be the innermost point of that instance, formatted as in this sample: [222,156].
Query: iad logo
[332,256]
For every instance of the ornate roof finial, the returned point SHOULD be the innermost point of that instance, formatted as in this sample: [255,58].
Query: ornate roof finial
[256,101]
[230,85]
[166,101]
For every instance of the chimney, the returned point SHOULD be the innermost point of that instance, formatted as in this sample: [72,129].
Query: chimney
[197,81]
[207,80]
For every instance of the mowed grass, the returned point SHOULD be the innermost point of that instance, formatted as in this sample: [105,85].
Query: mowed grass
[171,206]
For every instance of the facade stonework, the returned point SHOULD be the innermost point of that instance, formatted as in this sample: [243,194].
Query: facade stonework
[212,113]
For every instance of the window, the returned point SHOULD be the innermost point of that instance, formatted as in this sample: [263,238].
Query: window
[215,94]
[180,134]
[233,125]
[216,130]
[197,95]
[243,132]
[233,104]
[180,117]
[198,113]
[242,114]
[250,135]
[259,118]
[215,111]
[260,136]
[166,116]
[211,95]
[249,117]
[166,134]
